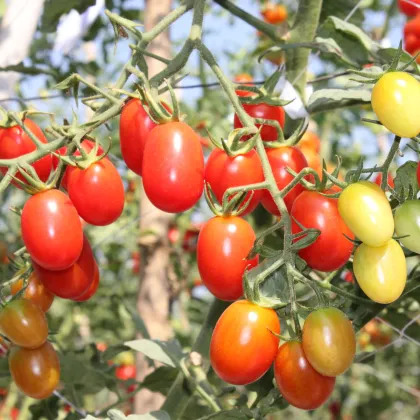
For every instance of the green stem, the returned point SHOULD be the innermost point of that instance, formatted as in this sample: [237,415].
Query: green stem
[385,167]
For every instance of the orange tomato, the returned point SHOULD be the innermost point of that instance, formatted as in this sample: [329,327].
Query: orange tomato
[274,13]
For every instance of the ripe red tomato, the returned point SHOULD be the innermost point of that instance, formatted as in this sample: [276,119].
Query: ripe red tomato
[412,35]
[223,245]
[135,126]
[125,372]
[72,282]
[299,383]
[246,79]
[280,159]
[14,142]
[268,112]
[329,341]
[243,345]
[97,192]
[35,291]
[313,210]
[408,8]
[223,172]
[274,13]
[378,179]
[173,167]
[51,230]
[91,289]
[35,372]
[24,323]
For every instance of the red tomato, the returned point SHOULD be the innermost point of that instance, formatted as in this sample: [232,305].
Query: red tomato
[223,172]
[51,230]
[14,142]
[135,126]
[313,210]
[72,282]
[173,167]
[126,372]
[97,192]
[408,8]
[268,112]
[243,345]
[246,79]
[274,13]
[348,277]
[378,179]
[299,383]
[280,159]
[310,140]
[91,289]
[412,35]
[223,245]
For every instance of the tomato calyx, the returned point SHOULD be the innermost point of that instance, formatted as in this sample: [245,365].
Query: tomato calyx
[12,119]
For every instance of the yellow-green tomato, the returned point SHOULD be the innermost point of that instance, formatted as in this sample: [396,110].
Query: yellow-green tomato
[381,271]
[395,100]
[407,222]
[365,209]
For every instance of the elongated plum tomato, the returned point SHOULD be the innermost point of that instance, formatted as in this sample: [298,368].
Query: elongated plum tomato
[331,249]
[92,288]
[267,112]
[407,222]
[365,209]
[51,230]
[329,341]
[14,142]
[280,159]
[223,172]
[173,167]
[24,323]
[35,291]
[74,281]
[408,8]
[381,271]
[222,248]
[242,346]
[97,192]
[395,98]
[299,383]
[35,372]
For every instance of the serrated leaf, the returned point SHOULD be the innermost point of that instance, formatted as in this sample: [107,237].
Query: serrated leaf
[166,352]
[326,99]
[406,180]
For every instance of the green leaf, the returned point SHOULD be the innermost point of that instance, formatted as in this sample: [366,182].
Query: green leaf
[2,8]
[166,352]
[341,9]
[227,414]
[406,180]
[327,99]
[160,380]
[30,71]
[138,320]
[112,351]
[45,409]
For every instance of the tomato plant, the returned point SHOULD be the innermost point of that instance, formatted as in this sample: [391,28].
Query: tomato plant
[409,8]
[394,99]
[173,167]
[365,209]
[223,172]
[299,383]
[222,248]
[24,323]
[36,372]
[243,345]
[329,341]
[280,159]
[407,223]
[331,249]
[381,272]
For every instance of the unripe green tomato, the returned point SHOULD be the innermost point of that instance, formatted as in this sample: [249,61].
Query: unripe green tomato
[381,271]
[395,100]
[365,209]
[407,222]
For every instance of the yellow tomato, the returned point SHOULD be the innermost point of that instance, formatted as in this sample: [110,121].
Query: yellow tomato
[381,271]
[395,100]
[365,209]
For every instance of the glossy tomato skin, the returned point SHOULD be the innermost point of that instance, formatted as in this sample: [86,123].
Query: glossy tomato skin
[72,282]
[395,97]
[222,248]
[409,9]
[51,230]
[97,192]
[35,372]
[365,209]
[223,172]
[329,341]
[381,272]
[378,179]
[407,222]
[299,383]
[24,323]
[14,142]
[173,167]
[135,126]
[280,159]
[35,291]
[268,112]
[332,249]
[90,292]
[242,347]
[412,35]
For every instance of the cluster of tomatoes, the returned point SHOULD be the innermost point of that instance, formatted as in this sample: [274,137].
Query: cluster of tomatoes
[411,9]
